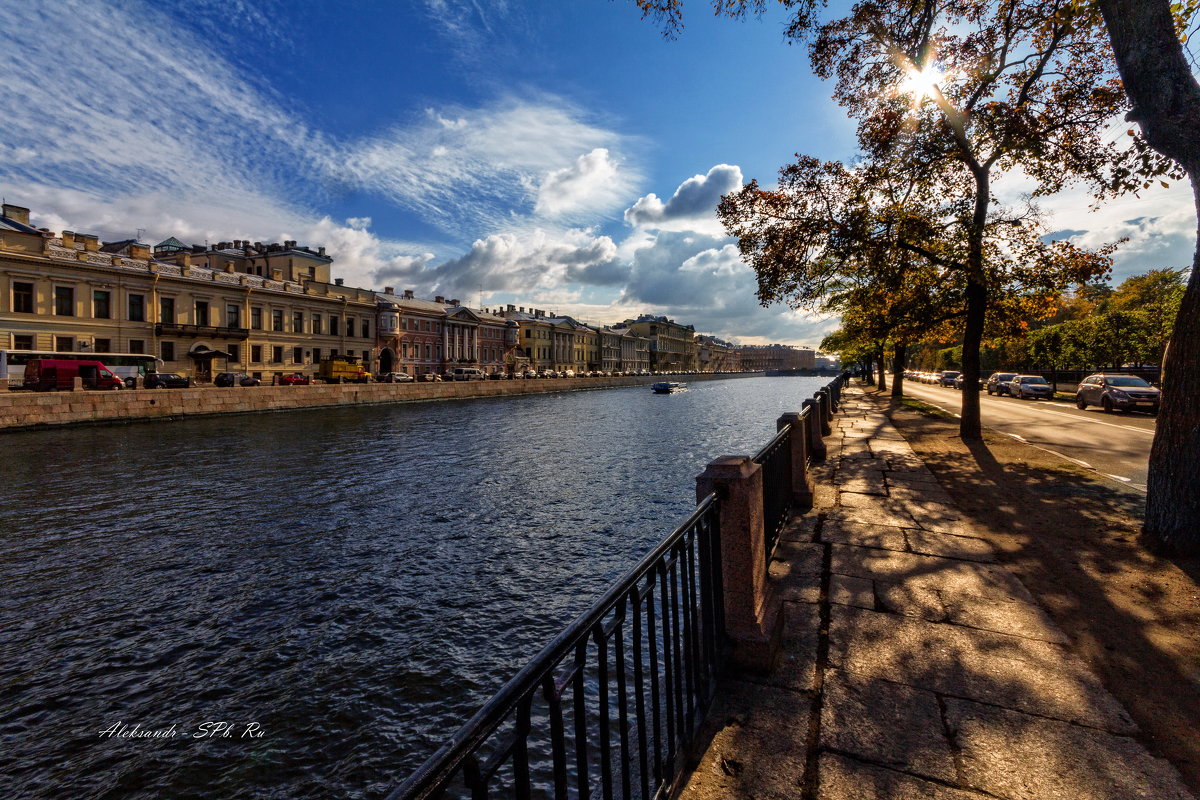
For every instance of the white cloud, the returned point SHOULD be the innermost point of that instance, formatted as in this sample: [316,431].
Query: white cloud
[692,207]
[592,185]
[526,263]
[472,167]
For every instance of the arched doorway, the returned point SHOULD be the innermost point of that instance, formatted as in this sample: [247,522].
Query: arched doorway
[387,360]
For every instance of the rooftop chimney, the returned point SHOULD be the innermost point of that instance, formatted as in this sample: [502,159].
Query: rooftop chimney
[439,299]
[511,307]
[320,251]
[16,213]
[408,293]
[338,281]
[453,302]
[388,290]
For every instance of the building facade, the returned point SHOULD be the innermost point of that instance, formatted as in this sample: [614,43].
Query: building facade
[672,345]
[434,336]
[759,358]
[197,309]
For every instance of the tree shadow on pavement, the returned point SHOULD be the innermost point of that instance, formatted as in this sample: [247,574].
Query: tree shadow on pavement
[1073,540]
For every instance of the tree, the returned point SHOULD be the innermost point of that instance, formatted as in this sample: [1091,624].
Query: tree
[956,94]
[1165,100]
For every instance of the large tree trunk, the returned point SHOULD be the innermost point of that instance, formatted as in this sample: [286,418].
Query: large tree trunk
[898,371]
[970,426]
[1166,104]
[882,362]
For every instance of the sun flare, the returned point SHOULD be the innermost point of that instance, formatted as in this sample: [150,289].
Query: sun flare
[922,83]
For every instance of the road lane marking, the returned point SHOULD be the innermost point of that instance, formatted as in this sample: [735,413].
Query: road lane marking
[1076,416]
[1127,481]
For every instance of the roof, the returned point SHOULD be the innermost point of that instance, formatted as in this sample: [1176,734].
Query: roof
[171,242]
[8,224]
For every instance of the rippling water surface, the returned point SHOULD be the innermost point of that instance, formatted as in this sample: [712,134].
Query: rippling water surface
[355,581]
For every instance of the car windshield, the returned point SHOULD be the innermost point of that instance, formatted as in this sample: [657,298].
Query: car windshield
[1126,380]
[1033,379]
[951,374]
[1005,376]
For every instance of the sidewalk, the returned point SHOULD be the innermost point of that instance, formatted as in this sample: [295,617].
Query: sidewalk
[913,666]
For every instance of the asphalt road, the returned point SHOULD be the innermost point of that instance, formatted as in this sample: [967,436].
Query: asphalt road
[1116,445]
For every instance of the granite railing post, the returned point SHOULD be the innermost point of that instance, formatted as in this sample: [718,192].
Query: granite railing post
[753,621]
[826,416]
[802,484]
[816,444]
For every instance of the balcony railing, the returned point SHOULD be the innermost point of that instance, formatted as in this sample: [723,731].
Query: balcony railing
[208,331]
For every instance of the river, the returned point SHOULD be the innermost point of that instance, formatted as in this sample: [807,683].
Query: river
[348,583]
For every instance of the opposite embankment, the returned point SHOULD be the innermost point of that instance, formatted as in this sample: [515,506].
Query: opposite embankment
[24,410]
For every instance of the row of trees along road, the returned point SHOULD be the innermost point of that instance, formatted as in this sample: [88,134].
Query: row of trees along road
[951,97]
[1093,327]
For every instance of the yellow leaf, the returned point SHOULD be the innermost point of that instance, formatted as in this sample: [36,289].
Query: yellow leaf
[1165,185]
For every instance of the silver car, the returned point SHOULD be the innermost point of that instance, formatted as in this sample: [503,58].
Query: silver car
[1030,387]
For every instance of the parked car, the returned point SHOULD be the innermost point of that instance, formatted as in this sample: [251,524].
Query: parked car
[464,374]
[395,377]
[1113,392]
[226,379]
[166,380]
[1030,387]
[997,382]
[294,379]
[430,377]
[946,377]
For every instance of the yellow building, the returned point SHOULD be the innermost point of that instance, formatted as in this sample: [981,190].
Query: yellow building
[672,346]
[262,309]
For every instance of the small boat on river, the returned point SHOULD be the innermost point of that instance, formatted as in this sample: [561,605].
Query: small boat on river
[666,387]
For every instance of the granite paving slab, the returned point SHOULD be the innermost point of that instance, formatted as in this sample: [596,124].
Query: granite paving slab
[1009,671]
[1013,755]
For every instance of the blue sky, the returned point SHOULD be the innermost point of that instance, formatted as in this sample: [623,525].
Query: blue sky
[560,155]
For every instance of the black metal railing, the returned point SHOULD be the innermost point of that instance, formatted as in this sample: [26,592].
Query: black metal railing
[776,462]
[609,707]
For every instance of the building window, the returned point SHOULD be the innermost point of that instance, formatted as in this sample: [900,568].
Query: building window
[366,357]
[102,345]
[277,320]
[235,352]
[201,312]
[298,322]
[297,355]
[277,354]
[167,351]
[64,301]
[366,328]
[256,318]
[233,316]
[22,298]
[64,344]
[166,309]
[316,328]
[350,326]
[137,346]
[22,342]
[256,353]
[428,352]
[333,353]
[316,355]
[137,308]
[333,326]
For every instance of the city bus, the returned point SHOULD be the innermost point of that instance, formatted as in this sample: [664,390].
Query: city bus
[125,365]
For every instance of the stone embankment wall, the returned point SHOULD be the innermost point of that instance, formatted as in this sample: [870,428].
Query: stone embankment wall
[23,410]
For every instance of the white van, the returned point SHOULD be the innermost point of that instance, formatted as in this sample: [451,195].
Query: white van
[467,374]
